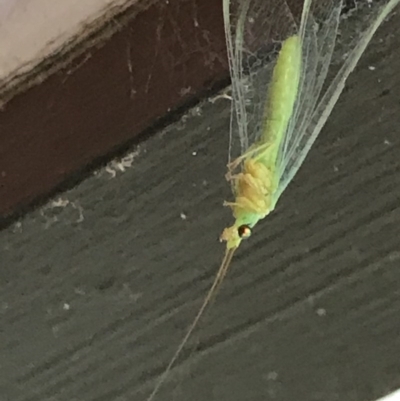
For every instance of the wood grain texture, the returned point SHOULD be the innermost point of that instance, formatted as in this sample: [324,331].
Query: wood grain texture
[95,295]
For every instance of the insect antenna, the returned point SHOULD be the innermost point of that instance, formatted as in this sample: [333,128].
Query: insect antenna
[226,261]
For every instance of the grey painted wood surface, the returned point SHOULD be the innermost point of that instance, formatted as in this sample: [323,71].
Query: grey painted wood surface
[97,288]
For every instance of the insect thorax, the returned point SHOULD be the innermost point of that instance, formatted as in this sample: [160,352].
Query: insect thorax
[253,189]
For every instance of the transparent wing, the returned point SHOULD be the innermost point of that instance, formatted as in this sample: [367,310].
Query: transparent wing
[254,30]
[315,101]
[318,28]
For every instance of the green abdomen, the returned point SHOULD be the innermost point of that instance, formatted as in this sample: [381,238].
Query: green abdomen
[282,94]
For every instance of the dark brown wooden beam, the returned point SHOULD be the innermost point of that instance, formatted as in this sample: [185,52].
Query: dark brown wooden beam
[158,61]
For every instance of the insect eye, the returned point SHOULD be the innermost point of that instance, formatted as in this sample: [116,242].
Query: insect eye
[244,231]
